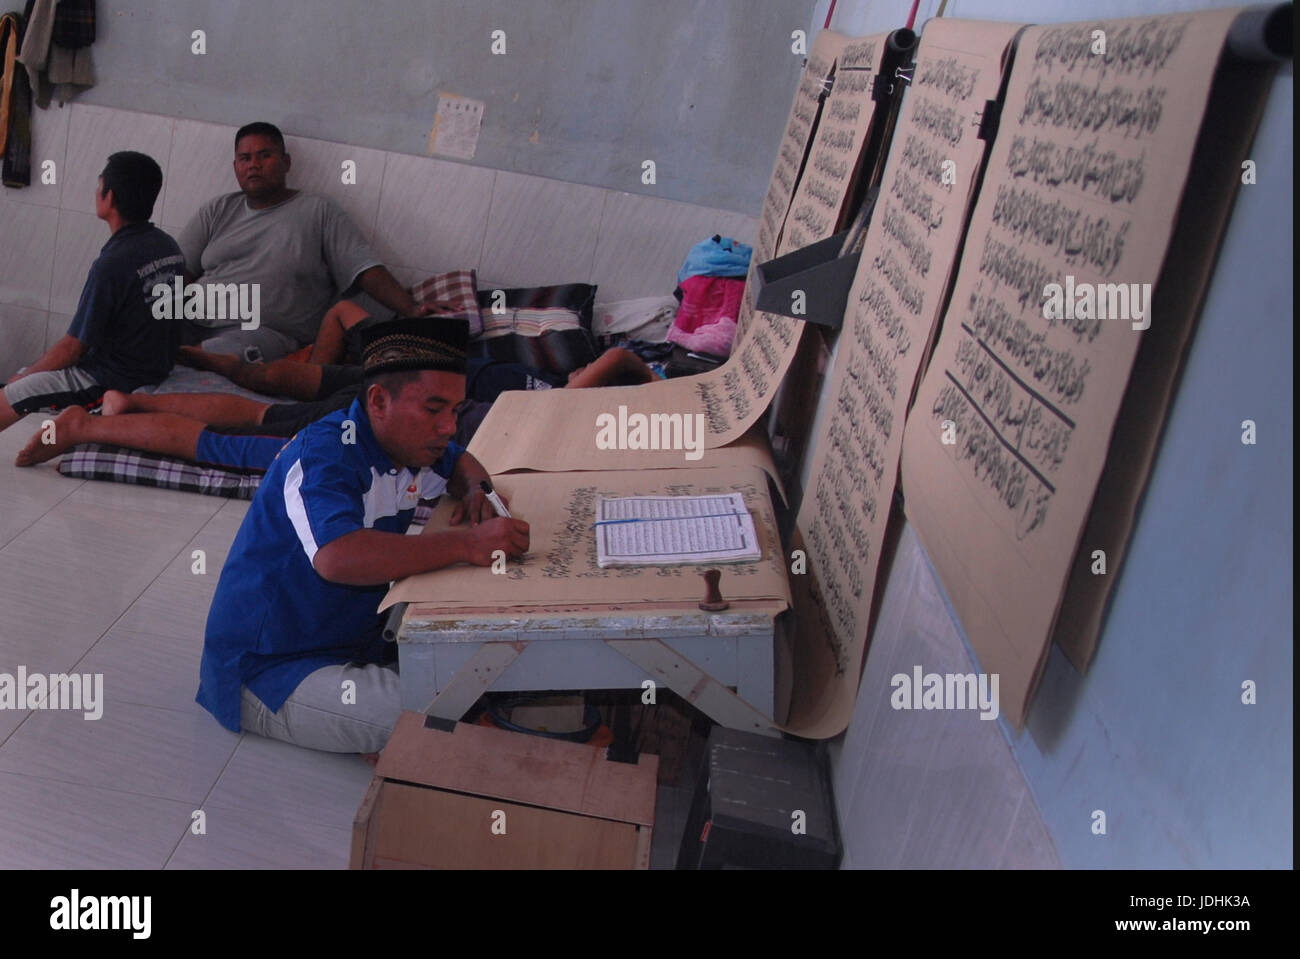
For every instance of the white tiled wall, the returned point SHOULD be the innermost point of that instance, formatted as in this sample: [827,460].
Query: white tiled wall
[200,168]
[78,241]
[27,254]
[422,216]
[94,133]
[434,214]
[24,335]
[538,228]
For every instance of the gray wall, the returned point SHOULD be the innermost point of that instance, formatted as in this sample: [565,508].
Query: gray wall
[586,91]
[1155,733]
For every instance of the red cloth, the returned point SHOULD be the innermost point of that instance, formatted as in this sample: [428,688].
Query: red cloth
[706,320]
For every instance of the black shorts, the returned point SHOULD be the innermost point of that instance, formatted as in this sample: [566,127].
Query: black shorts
[334,379]
[339,386]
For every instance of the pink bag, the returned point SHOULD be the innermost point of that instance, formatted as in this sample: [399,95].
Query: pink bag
[706,320]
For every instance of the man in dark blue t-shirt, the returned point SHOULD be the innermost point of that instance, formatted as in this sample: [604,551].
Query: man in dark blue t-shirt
[114,341]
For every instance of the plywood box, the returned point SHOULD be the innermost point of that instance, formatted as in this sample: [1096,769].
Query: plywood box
[460,796]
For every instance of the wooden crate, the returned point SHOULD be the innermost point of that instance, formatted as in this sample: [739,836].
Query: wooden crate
[460,796]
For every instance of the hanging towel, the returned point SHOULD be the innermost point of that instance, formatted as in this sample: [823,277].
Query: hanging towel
[74,24]
[56,70]
[15,107]
[10,38]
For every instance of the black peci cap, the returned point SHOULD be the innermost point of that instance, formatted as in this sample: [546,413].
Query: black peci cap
[416,343]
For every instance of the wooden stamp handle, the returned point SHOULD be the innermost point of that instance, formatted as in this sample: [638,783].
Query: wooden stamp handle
[713,601]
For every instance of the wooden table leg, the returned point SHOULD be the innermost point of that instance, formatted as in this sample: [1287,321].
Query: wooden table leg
[473,679]
[670,668]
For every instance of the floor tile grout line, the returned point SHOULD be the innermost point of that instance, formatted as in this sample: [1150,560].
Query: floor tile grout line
[132,702]
[5,545]
[487,220]
[379,200]
[118,619]
[205,804]
[206,796]
[912,811]
[55,505]
[1011,828]
[54,250]
[113,789]
[596,246]
[131,605]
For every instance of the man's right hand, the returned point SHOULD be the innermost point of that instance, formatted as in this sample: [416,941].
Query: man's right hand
[507,534]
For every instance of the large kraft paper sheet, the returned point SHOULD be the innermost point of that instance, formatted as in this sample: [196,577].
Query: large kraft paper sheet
[1237,101]
[508,448]
[556,429]
[1084,180]
[907,264]
[560,569]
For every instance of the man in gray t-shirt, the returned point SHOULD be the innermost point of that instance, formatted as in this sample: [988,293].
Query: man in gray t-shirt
[300,250]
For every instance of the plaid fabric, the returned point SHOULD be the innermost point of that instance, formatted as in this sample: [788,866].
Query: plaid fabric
[121,465]
[118,464]
[454,292]
[74,23]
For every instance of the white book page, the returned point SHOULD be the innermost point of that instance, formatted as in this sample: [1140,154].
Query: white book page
[666,530]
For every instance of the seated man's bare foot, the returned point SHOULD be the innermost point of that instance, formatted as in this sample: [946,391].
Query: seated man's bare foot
[114,403]
[62,436]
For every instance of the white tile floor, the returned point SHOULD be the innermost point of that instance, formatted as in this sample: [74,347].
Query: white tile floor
[98,578]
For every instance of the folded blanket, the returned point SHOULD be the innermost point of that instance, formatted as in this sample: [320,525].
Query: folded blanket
[122,465]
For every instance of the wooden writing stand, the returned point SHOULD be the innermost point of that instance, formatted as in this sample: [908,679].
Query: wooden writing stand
[449,656]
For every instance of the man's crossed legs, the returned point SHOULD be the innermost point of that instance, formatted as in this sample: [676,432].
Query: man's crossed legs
[316,716]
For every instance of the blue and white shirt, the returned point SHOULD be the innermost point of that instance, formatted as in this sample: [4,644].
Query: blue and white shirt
[274,619]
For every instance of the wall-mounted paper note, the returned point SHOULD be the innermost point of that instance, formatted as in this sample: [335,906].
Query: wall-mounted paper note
[456,126]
